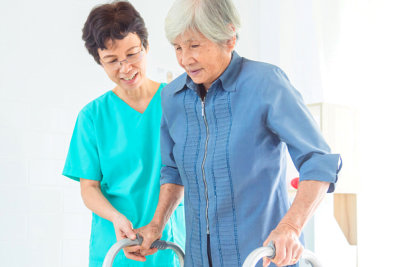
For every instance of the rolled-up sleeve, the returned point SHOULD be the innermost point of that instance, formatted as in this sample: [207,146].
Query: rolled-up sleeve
[169,170]
[289,118]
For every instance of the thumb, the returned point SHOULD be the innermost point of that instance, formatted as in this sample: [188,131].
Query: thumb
[147,242]
[130,233]
[266,262]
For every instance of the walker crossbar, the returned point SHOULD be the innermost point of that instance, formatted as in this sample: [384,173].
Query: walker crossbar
[159,244]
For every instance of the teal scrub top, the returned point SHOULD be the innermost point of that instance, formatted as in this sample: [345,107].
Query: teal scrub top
[120,147]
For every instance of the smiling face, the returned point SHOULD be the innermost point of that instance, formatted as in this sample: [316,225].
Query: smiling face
[203,60]
[124,61]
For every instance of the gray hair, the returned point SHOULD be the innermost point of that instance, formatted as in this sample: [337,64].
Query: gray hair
[217,20]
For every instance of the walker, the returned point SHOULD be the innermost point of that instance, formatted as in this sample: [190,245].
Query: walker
[250,261]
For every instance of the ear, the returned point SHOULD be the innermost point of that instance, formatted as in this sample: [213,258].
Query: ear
[232,42]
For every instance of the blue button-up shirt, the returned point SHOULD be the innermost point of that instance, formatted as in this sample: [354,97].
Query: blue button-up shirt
[229,153]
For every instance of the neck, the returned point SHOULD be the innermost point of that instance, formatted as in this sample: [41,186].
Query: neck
[225,63]
[145,90]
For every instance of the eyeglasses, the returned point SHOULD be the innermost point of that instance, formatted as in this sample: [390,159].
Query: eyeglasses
[130,59]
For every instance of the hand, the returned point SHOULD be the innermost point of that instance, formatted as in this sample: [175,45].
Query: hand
[123,229]
[288,248]
[149,233]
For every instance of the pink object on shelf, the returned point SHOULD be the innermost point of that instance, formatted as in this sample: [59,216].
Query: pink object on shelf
[295,182]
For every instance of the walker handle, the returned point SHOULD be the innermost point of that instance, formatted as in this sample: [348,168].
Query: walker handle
[159,244]
[269,251]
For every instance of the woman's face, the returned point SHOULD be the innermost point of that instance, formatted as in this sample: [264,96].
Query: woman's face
[131,72]
[203,60]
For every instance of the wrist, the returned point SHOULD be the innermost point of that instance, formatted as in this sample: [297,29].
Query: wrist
[286,226]
[158,222]
[115,216]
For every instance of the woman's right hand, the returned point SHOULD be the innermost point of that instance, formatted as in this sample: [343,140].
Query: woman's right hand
[149,233]
[123,229]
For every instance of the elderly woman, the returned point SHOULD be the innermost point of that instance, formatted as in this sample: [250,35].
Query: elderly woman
[225,127]
[114,151]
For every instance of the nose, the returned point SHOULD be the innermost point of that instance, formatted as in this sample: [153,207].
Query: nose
[125,67]
[186,57]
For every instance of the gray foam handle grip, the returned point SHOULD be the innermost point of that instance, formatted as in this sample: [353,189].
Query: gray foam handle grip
[159,244]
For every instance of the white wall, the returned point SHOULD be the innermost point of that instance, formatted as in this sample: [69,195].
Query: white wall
[46,77]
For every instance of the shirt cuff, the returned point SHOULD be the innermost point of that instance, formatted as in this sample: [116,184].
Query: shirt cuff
[170,175]
[322,167]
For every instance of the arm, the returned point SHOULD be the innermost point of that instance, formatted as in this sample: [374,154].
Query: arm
[96,202]
[170,197]
[83,161]
[289,118]
[286,235]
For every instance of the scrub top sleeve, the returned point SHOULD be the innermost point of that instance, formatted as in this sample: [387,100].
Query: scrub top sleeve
[290,119]
[83,157]
[169,170]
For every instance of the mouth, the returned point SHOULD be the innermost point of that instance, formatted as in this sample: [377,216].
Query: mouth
[194,72]
[130,78]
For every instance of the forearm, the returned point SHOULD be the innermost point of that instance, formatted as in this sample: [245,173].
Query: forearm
[95,200]
[309,195]
[170,197]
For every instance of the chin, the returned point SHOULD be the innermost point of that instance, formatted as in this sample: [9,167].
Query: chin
[197,81]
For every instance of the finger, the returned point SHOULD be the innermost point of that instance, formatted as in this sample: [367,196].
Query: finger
[135,256]
[129,233]
[266,262]
[147,242]
[119,236]
[280,255]
[266,242]
[297,254]
[288,260]
[132,249]
[148,252]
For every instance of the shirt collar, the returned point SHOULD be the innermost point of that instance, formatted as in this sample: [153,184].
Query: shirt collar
[228,78]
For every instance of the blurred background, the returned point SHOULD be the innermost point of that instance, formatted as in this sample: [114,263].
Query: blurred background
[342,55]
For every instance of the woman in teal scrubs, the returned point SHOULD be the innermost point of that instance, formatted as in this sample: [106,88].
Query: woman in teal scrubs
[114,150]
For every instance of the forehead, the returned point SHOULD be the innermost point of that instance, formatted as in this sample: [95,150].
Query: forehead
[190,36]
[120,46]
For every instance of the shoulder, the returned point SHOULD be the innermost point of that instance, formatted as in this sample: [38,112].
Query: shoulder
[261,70]
[174,86]
[262,77]
[264,82]
[91,109]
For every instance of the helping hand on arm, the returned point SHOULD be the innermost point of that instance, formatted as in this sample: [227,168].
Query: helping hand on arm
[286,235]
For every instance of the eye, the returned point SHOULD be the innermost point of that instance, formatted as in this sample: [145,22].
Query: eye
[112,61]
[178,48]
[195,46]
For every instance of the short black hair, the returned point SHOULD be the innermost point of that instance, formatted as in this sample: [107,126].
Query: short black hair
[112,22]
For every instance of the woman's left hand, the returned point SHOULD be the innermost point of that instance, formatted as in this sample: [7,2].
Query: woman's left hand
[288,248]
[123,229]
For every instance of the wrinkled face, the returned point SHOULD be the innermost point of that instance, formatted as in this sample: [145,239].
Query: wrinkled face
[203,60]
[124,61]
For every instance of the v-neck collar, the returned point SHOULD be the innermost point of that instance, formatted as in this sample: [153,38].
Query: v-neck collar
[131,108]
